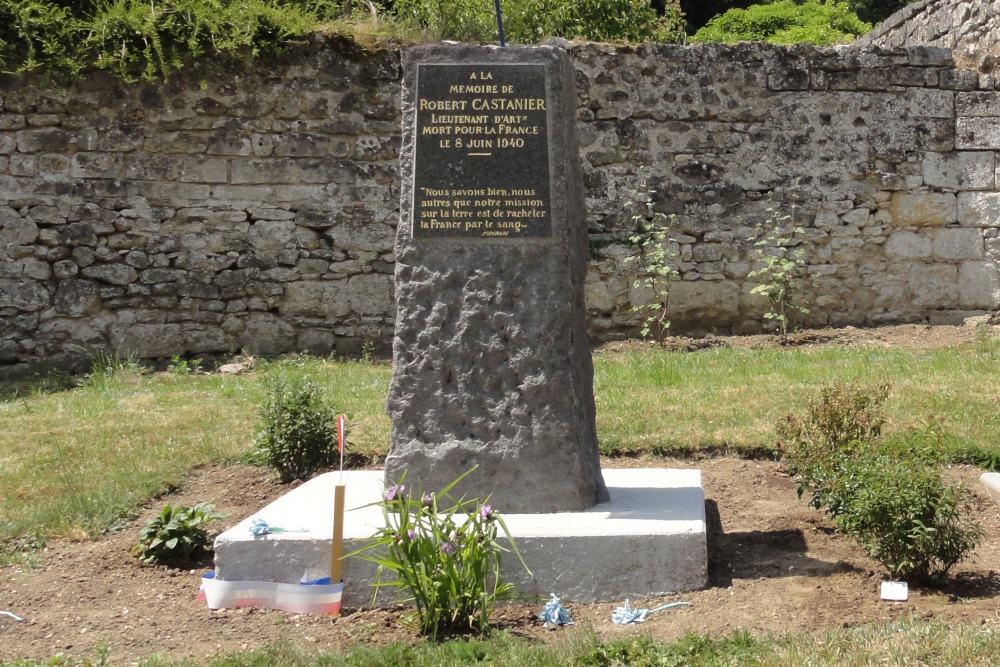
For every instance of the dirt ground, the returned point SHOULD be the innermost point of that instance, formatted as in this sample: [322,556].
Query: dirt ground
[775,565]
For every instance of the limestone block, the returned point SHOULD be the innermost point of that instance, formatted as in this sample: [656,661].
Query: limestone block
[23,295]
[271,235]
[909,245]
[45,140]
[954,243]
[317,298]
[979,209]
[959,171]
[149,340]
[97,165]
[266,334]
[927,209]
[979,286]
[704,303]
[930,103]
[370,294]
[286,170]
[599,296]
[77,297]
[932,286]
[115,274]
[982,104]
[977,133]
[17,231]
[207,338]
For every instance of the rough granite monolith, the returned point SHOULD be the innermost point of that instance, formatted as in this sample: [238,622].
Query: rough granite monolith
[491,361]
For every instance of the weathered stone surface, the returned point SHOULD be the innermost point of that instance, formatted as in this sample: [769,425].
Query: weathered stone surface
[932,286]
[703,304]
[960,171]
[149,340]
[859,146]
[266,334]
[979,209]
[924,209]
[115,274]
[908,245]
[77,297]
[17,231]
[28,296]
[316,298]
[979,286]
[958,243]
[977,133]
[491,362]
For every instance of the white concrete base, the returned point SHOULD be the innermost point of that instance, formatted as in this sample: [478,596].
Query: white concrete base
[649,540]
[991,480]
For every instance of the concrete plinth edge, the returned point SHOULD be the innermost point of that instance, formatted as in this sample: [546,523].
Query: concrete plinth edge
[991,480]
[648,540]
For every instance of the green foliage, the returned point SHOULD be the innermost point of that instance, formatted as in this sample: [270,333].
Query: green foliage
[296,434]
[907,517]
[148,39]
[179,366]
[177,535]
[823,22]
[657,260]
[780,267]
[889,495]
[446,558]
[528,21]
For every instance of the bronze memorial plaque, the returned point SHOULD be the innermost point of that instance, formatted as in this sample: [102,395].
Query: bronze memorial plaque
[481,164]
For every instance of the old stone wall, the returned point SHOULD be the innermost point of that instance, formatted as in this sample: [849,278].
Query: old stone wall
[967,26]
[254,207]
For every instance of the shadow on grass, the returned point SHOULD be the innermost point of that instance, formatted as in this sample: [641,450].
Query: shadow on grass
[35,383]
[759,554]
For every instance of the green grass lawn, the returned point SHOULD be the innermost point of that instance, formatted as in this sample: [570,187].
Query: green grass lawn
[75,461]
[911,642]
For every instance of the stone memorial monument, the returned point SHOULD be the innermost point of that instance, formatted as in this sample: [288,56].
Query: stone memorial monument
[491,361]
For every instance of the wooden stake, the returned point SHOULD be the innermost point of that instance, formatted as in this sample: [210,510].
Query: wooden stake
[336,566]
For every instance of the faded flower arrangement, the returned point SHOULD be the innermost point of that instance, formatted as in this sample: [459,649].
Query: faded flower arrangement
[446,559]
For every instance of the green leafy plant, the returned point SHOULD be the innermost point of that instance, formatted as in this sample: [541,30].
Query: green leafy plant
[296,434]
[907,517]
[823,22]
[780,267]
[177,535]
[528,21]
[888,494]
[657,260]
[179,366]
[446,557]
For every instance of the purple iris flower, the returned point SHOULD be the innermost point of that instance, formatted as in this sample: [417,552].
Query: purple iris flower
[393,490]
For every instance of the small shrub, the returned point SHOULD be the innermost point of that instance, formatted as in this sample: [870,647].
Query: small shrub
[446,558]
[296,434]
[906,517]
[177,535]
[816,446]
[888,495]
